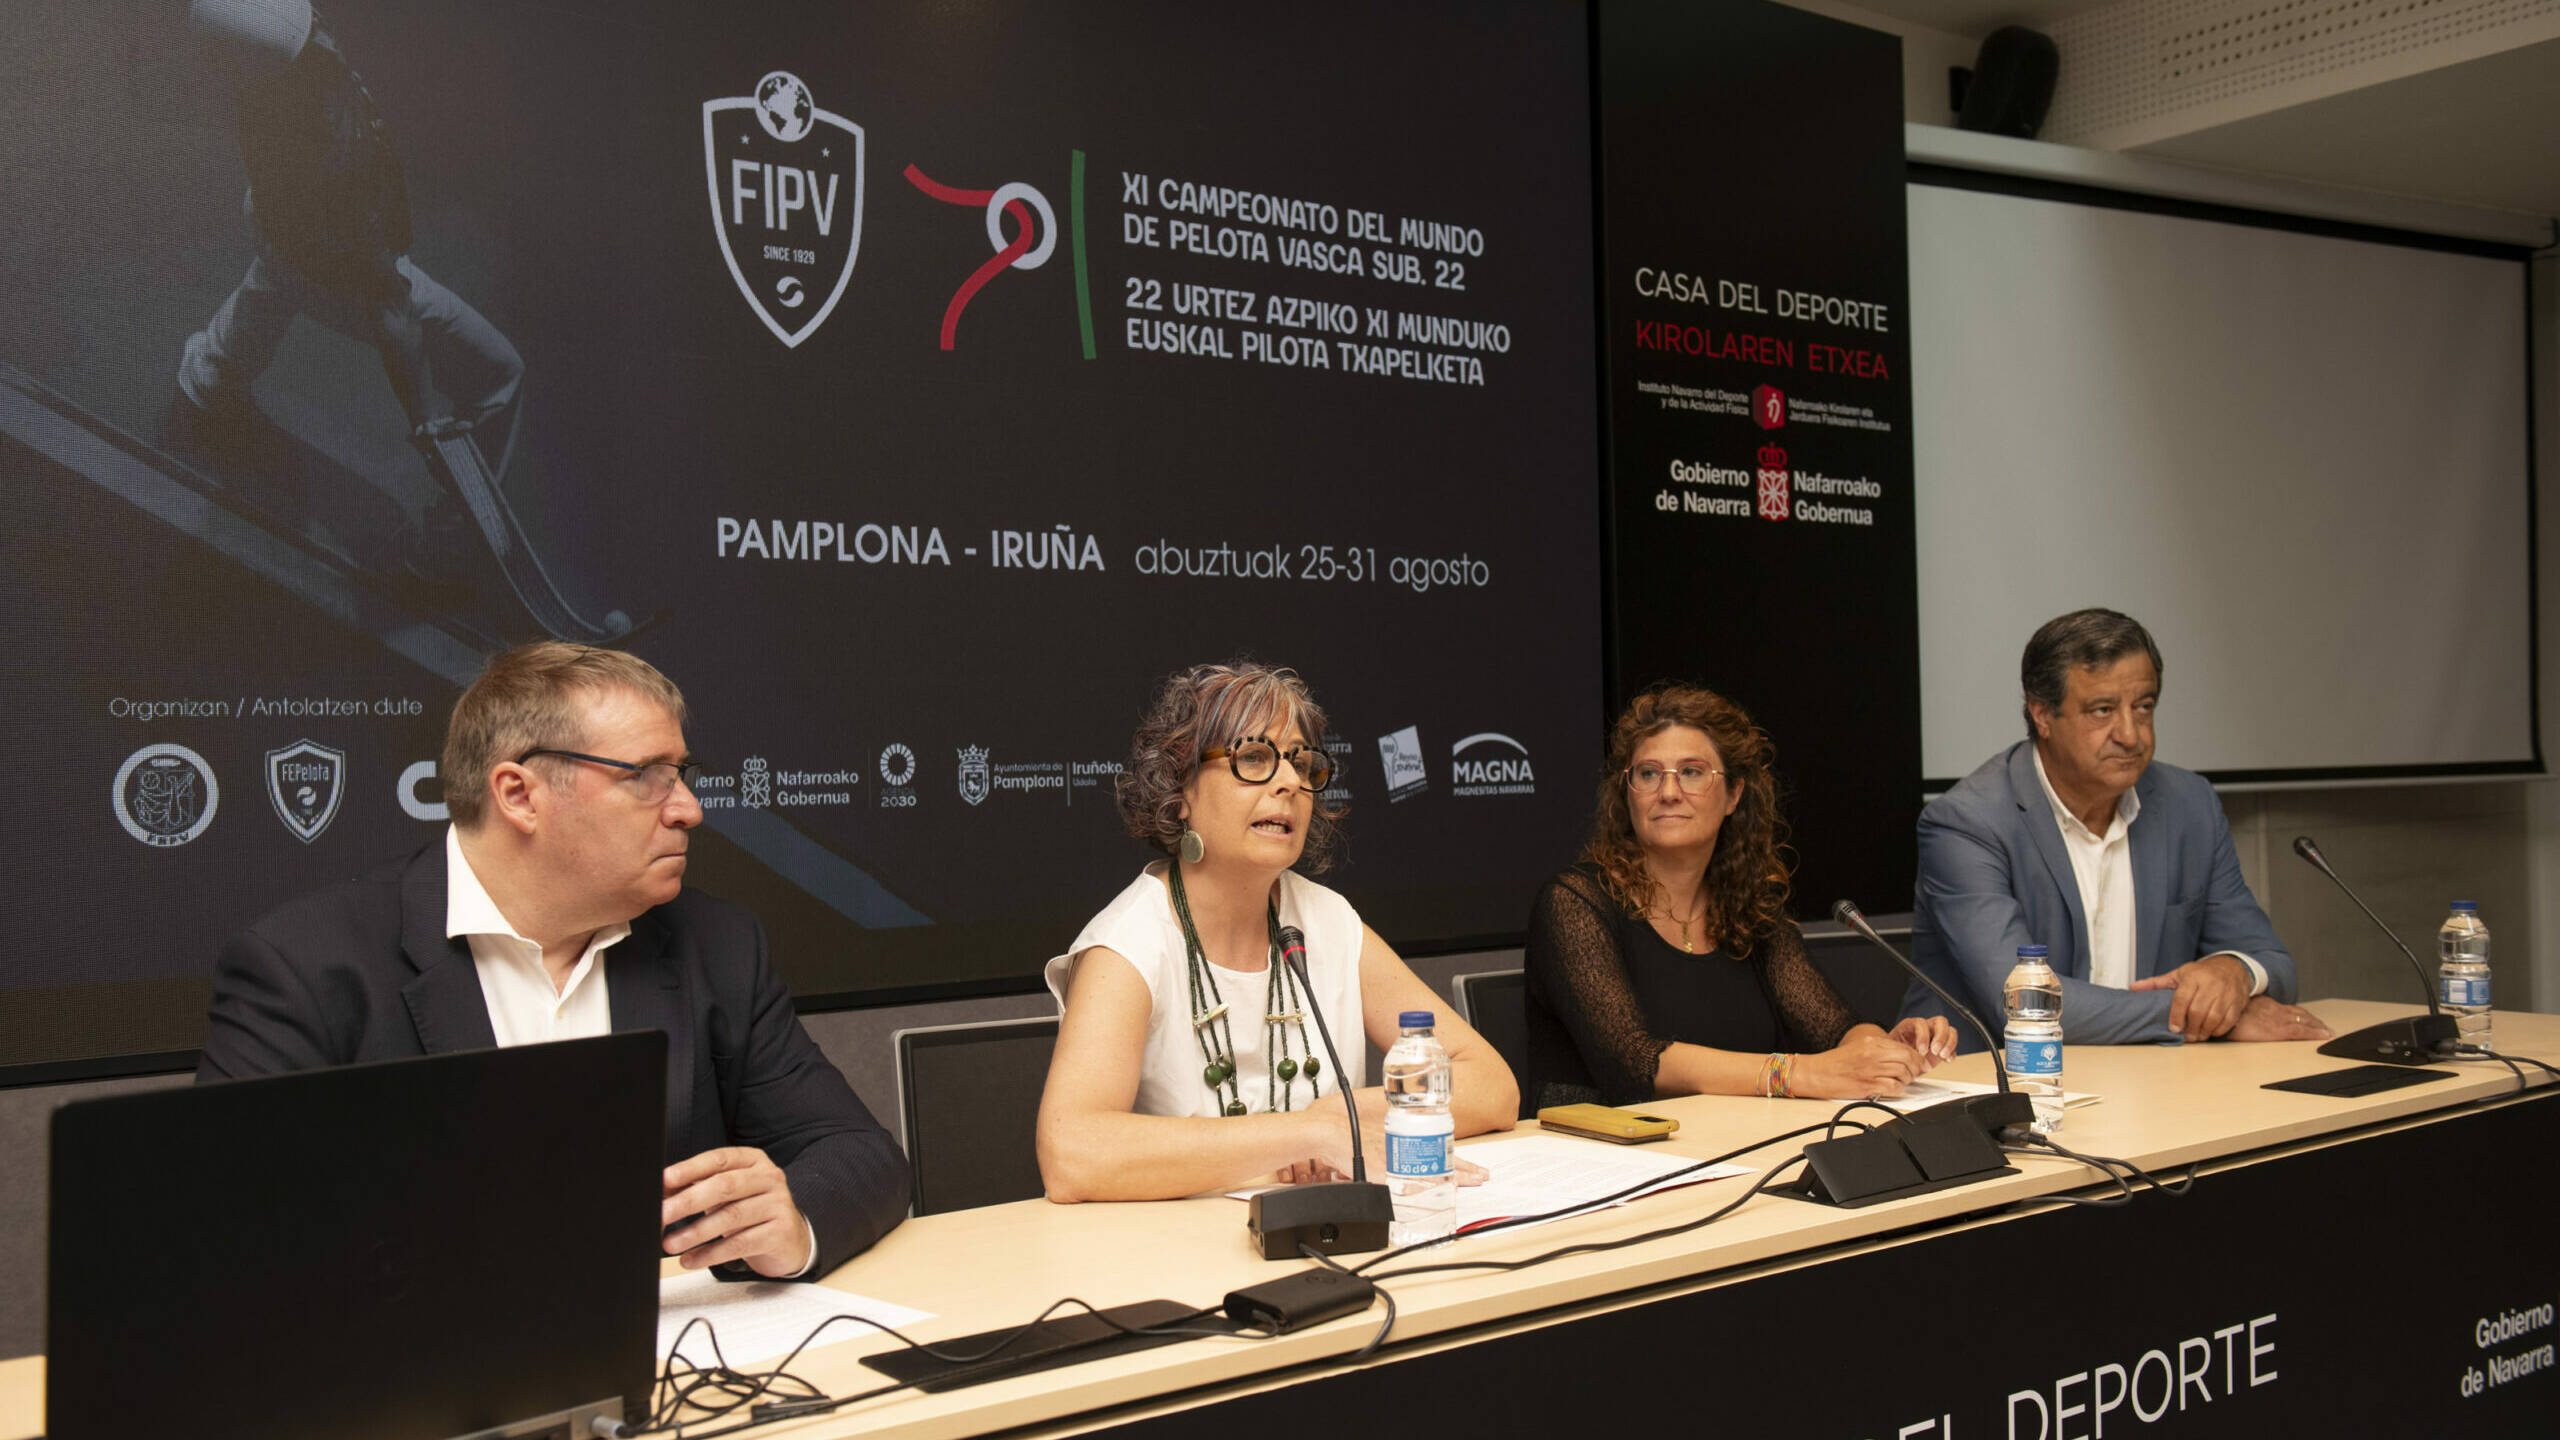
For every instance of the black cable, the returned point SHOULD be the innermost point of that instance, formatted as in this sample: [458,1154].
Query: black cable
[1628,1193]
[2123,1185]
[2112,1164]
[1365,1351]
[684,1386]
[2512,1062]
[1595,1247]
[1857,1105]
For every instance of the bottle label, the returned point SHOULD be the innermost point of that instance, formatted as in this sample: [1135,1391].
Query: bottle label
[2034,1058]
[2463,990]
[1418,1154]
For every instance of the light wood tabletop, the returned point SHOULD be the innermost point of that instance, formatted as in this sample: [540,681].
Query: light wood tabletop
[2161,1107]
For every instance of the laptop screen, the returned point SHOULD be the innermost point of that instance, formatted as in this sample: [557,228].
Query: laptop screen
[414,1248]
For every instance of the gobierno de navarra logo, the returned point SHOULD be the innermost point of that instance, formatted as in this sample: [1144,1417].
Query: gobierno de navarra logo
[786,200]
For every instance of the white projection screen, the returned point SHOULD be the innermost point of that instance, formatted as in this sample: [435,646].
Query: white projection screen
[2302,459]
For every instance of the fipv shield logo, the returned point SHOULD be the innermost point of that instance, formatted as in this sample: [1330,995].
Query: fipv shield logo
[304,783]
[786,200]
[1774,492]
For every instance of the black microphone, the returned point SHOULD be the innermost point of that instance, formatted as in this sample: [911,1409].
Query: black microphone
[1953,1143]
[2417,1040]
[1335,1217]
[1993,1112]
[1293,953]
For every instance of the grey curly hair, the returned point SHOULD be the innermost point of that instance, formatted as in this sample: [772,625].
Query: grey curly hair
[1205,707]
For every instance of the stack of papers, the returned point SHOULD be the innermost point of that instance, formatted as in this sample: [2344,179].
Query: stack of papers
[1921,1094]
[1542,1174]
[763,1321]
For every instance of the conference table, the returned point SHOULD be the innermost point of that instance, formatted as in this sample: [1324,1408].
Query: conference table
[2339,1263]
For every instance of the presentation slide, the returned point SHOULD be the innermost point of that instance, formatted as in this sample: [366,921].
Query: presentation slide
[916,385]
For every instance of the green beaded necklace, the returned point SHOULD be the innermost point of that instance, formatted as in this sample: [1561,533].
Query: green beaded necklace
[1283,1010]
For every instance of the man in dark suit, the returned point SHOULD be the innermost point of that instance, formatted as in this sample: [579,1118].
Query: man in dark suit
[2073,839]
[553,908]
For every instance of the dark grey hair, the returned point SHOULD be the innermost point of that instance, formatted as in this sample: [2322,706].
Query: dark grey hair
[2082,639]
[1203,708]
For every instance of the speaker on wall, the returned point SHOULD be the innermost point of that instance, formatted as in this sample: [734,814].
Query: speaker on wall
[2010,85]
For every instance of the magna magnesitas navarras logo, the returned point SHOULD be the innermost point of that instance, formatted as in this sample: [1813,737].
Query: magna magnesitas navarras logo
[786,200]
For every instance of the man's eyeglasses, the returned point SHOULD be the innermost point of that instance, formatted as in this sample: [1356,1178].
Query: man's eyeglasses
[654,781]
[1693,778]
[1254,760]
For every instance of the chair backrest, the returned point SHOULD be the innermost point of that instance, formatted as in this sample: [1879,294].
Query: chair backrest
[1865,977]
[968,1099]
[1496,1003]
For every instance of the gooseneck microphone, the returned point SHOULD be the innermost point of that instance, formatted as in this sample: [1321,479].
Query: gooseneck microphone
[1334,1217]
[1993,1112]
[1953,1143]
[1847,913]
[1293,953]
[2417,1040]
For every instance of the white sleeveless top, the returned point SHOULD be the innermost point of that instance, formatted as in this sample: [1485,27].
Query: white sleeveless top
[1140,925]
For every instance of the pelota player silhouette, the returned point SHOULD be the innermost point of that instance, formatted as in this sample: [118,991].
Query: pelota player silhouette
[330,206]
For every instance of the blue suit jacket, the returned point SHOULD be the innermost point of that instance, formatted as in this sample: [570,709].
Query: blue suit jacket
[1994,876]
[364,971]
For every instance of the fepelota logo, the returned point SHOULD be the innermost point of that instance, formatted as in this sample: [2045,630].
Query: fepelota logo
[304,782]
[786,200]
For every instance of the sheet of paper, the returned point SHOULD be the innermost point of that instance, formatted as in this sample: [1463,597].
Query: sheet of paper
[1538,1174]
[1921,1094]
[763,1321]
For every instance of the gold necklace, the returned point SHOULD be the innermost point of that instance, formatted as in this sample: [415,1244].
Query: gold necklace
[1685,924]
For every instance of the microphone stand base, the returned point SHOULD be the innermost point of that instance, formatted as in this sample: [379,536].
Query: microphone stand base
[1939,1148]
[1336,1217]
[2418,1040]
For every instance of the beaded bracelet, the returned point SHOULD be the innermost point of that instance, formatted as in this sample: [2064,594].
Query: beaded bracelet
[1777,1076]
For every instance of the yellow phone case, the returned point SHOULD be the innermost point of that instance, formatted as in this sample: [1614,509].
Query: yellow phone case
[1603,1122]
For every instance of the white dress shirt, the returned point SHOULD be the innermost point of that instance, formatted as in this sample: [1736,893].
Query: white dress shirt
[2102,865]
[525,1008]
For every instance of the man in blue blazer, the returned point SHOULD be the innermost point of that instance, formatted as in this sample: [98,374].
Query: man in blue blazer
[553,908]
[2073,839]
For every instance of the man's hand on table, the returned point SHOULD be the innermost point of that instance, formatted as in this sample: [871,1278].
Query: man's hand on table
[742,1209]
[2271,1019]
[2211,994]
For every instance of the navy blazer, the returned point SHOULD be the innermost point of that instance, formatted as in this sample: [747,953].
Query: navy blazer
[1994,876]
[364,971]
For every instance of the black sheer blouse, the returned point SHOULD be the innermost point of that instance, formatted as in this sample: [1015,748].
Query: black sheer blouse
[1606,995]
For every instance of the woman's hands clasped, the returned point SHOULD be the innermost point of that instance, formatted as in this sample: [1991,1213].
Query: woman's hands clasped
[1869,1062]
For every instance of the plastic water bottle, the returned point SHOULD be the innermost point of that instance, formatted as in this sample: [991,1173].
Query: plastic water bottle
[1420,1169]
[2462,976]
[2033,1035]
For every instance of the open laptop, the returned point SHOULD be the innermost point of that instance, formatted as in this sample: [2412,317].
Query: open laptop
[462,1245]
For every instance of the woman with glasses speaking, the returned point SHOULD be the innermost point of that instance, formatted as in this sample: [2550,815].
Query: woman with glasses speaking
[1663,962]
[1188,1057]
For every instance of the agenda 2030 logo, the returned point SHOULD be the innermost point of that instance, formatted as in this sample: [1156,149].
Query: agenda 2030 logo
[786,199]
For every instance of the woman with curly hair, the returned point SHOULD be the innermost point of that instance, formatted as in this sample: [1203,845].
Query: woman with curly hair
[1188,1057]
[1663,962]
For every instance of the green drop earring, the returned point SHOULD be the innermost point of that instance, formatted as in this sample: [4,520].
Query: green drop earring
[1192,846]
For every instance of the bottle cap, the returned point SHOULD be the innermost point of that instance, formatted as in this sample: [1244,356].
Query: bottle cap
[1414,1020]
[2032,952]
[2467,905]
